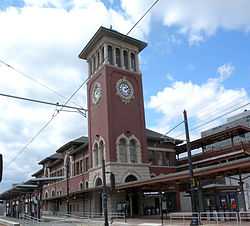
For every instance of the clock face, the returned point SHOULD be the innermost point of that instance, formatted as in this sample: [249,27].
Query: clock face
[125,90]
[96,93]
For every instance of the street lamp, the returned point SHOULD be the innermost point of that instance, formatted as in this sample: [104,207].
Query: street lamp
[195,220]
[104,196]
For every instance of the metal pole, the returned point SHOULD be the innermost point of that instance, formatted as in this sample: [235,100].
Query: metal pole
[241,183]
[104,196]
[161,197]
[67,181]
[194,220]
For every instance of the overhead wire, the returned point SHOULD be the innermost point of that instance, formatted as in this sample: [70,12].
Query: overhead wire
[40,101]
[214,119]
[54,115]
[66,102]
[35,81]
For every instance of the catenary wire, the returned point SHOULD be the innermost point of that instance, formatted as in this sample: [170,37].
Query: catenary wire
[214,119]
[41,102]
[149,9]
[35,80]
[56,112]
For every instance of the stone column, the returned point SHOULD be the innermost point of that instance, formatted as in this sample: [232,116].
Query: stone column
[129,60]
[114,56]
[122,59]
[130,205]
[137,67]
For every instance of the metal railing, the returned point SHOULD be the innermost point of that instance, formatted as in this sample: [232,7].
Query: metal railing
[82,217]
[231,218]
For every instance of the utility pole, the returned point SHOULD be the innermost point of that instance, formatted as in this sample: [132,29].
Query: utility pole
[104,194]
[67,181]
[195,220]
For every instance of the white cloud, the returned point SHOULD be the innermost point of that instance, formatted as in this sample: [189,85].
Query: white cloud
[43,39]
[202,102]
[225,71]
[198,19]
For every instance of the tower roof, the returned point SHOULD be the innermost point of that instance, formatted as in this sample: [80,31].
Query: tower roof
[103,31]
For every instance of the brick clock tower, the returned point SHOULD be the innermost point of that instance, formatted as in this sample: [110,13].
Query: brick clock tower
[116,122]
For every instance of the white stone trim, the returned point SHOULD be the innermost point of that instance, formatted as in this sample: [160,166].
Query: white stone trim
[138,149]
[151,148]
[97,141]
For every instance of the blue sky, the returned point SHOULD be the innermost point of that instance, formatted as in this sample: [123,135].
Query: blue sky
[197,59]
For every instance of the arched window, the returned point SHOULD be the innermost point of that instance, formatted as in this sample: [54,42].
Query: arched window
[130,178]
[123,150]
[118,57]
[133,151]
[125,58]
[81,186]
[133,64]
[95,155]
[98,182]
[53,193]
[110,55]
[101,152]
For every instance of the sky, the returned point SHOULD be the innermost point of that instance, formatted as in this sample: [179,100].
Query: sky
[197,59]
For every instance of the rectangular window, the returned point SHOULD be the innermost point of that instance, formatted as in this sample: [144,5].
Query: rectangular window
[125,58]
[110,55]
[80,166]
[118,57]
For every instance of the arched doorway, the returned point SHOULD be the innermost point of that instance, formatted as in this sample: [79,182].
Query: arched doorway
[133,198]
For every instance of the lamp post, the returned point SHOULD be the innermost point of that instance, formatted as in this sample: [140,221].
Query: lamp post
[194,220]
[104,196]
[67,183]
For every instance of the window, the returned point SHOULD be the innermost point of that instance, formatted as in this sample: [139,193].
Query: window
[81,186]
[102,55]
[95,153]
[98,59]
[77,168]
[87,164]
[125,57]
[98,182]
[118,57]
[101,150]
[133,65]
[94,64]
[133,150]
[80,166]
[123,150]
[130,178]
[110,55]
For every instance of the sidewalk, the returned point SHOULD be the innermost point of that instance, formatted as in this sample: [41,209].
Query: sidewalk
[156,222]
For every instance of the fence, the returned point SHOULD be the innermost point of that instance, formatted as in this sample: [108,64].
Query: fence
[206,218]
[75,219]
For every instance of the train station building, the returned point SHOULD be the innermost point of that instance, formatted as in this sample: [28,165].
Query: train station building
[145,171]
